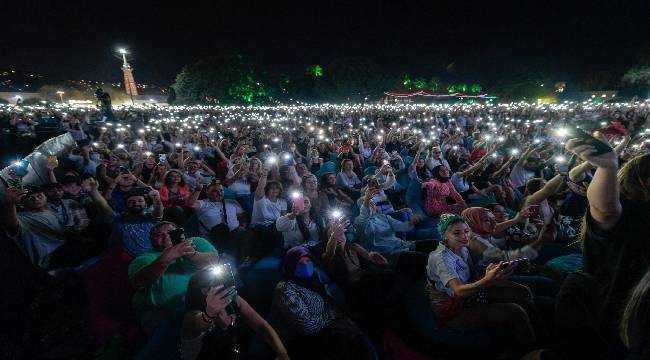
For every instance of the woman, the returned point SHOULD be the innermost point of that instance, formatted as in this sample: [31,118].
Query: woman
[635,329]
[347,179]
[174,192]
[331,197]
[157,178]
[308,323]
[301,227]
[144,170]
[485,249]
[310,189]
[377,232]
[615,247]
[441,196]
[468,303]
[213,320]
[418,169]
[268,207]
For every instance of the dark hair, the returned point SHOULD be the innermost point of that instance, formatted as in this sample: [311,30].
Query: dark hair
[313,215]
[166,178]
[273,183]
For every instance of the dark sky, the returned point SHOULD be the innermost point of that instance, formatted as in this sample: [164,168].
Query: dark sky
[75,40]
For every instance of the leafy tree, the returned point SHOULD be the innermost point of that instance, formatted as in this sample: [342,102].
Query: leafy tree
[230,78]
[638,75]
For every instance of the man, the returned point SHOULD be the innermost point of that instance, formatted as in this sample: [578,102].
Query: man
[524,169]
[215,210]
[435,158]
[196,169]
[38,232]
[131,228]
[120,188]
[70,213]
[161,275]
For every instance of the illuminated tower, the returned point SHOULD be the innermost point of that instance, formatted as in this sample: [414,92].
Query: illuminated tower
[129,81]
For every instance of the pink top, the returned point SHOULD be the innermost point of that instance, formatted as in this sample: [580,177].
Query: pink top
[437,192]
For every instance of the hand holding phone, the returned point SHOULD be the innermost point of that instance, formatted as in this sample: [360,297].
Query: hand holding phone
[177,235]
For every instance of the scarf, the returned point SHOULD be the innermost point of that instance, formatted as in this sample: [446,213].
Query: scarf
[475,218]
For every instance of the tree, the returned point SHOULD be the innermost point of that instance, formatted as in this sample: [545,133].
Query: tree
[230,79]
[171,96]
[638,75]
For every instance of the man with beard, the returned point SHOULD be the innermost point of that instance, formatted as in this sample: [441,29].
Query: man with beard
[131,228]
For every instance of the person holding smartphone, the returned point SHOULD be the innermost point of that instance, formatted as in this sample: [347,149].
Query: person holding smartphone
[302,226]
[161,275]
[213,318]
[464,301]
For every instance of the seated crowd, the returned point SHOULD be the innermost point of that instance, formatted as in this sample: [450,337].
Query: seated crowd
[236,239]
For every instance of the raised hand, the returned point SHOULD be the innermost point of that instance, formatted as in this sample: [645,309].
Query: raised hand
[14,195]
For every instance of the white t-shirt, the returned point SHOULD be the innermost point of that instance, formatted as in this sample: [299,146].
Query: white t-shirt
[520,176]
[266,212]
[210,214]
[240,187]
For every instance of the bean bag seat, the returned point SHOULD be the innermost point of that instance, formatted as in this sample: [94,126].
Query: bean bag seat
[433,338]
[327,166]
[370,170]
[109,294]
[260,283]
[567,263]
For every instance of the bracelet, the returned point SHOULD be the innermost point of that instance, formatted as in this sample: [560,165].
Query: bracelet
[207,318]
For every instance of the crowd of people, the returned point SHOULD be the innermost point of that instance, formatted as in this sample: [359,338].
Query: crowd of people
[318,231]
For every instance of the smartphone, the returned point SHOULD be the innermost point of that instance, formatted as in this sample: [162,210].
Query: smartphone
[584,138]
[225,277]
[162,158]
[177,235]
[141,191]
[534,211]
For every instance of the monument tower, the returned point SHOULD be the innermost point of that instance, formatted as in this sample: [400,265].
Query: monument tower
[129,81]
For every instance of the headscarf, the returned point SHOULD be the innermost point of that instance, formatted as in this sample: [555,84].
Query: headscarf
[476,220]
[289,268]
[437,176]
[448,219]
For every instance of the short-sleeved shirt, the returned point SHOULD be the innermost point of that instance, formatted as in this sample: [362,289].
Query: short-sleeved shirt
[167,292]
[69,212]
[132,232]
[210,214]
[520,176]
[39,234]
[444,266]
[266,212]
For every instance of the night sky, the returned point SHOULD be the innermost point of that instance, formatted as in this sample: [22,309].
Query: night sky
[481,40]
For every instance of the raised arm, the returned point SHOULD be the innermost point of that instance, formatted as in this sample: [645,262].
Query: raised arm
[259,192]
[603,192]
[551,187]
[577,173]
